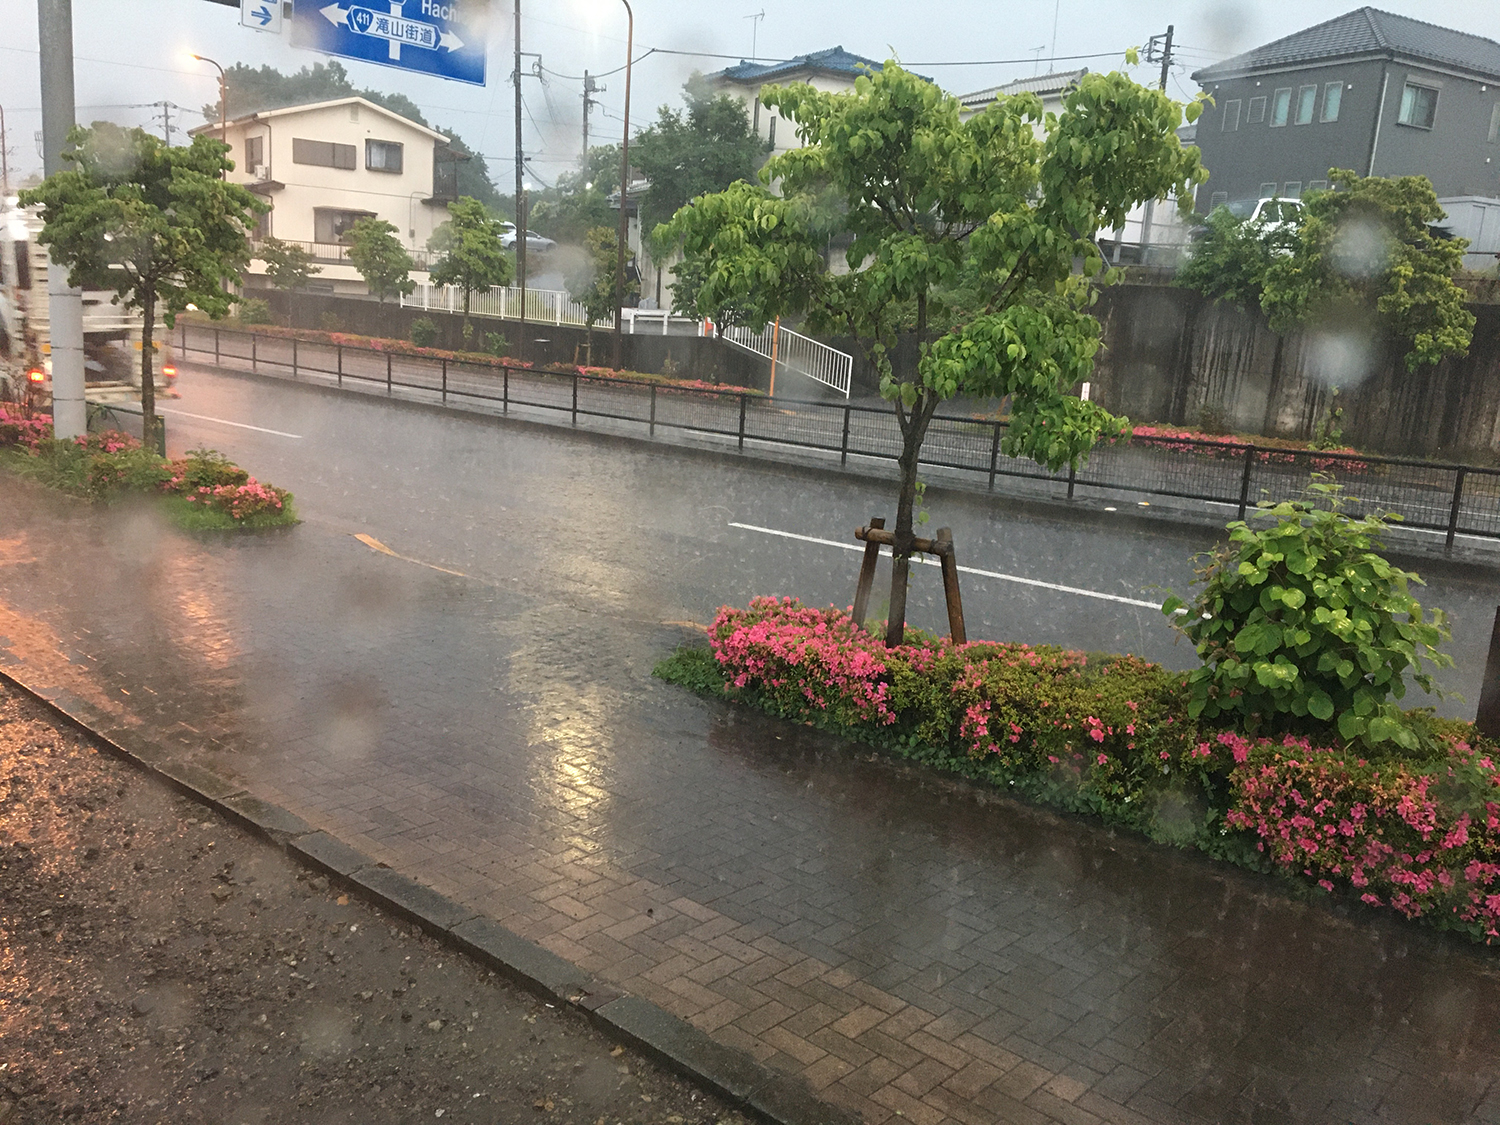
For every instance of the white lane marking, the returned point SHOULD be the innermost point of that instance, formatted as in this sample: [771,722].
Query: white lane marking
[966,569]
[227,422]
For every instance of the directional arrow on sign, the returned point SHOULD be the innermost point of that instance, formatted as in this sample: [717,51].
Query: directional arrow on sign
[262,15]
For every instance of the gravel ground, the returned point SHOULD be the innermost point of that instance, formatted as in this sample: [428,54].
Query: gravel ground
[160,964]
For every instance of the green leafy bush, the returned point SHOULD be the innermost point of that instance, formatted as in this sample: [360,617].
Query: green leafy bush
[253,310]
[331,322]
[423,332]
[495,343]
[1303,626]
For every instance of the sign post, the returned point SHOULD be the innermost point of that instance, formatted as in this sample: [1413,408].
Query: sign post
[444,38]
[262,15]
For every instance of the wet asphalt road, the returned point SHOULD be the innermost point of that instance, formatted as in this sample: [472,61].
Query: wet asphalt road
[460,722]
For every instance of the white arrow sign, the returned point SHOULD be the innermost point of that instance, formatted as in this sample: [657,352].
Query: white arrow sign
[263,15]
[393,27]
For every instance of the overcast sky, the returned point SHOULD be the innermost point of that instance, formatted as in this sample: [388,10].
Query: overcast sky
[131,52]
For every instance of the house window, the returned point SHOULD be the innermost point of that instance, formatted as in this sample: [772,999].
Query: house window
[383,156]
[1268,190]
[772,137]
[1333,96]
[1218,199]
[324,154]
[1255,112]
[1317,185]
[1281,107]
[1307,98]
[1293,189]
[1495,123]
[331,224]
[255,152]
[1231,122]
[1418,106]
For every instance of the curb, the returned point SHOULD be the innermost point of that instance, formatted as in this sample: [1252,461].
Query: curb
[733,1074]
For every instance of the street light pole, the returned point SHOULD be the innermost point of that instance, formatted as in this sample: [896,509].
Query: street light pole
[65,304]
[223,107]
[624,191]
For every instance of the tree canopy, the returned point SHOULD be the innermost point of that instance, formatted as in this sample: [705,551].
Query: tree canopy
[287,265]
[592,283]
[1366,257]
[251,89]
[376,252]
[472,257]
[935,207]
[155,224]
[705,147]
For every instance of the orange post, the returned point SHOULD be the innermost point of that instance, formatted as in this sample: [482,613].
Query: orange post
[775,340]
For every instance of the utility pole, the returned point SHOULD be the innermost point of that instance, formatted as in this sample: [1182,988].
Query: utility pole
[520,198]
[1159,46]
[590,88]
[166,121]
[65,304]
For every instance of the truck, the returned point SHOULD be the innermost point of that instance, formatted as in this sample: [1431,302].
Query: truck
[111,332]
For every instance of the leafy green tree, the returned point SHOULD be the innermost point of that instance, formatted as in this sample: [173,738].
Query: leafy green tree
[472,257]
[155,224]
[251,89]
[704,148]
[568,212]
[287,265]
[929,199]
[1365,256]
[376,252]
[593,284]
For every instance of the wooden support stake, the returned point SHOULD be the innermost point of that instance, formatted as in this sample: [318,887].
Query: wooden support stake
[950,586]
[1487,719]
[866,571]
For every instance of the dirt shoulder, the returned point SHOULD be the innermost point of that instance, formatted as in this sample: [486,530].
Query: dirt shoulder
[160,964]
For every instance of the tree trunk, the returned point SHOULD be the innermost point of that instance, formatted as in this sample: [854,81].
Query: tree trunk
[148,368]
[912,435]
[467,331]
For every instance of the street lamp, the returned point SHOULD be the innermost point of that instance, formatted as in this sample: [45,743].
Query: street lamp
[223,106]
[624,190]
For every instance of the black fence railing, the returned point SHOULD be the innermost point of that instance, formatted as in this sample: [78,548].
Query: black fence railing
[1450,500]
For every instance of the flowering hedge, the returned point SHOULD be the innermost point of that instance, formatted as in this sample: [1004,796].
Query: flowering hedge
[1272,450]
[103,466]
[1416,832]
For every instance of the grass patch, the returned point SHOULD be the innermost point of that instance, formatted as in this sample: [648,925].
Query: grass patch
[195,517]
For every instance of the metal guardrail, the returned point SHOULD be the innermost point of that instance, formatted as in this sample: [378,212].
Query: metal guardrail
[1451,500]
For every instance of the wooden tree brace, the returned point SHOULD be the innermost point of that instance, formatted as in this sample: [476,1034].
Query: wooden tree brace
[874,536]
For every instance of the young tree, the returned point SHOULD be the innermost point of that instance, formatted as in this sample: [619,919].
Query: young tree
[472,257]
[1365,256]
[381,260]
[288,266]
[593,284]
[684,154]
[937,205]
[155,224]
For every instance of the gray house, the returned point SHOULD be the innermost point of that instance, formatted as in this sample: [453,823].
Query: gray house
[1379,93]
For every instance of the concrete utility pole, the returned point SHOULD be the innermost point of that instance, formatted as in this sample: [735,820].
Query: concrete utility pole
[65,304]
[590,88]
[1164,43]
[520,198]
[624,190]
[166,121]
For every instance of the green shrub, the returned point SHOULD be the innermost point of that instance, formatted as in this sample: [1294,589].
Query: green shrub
[252,310]
[423,332]
[495,343]
[331,322]
[205,468]
[1304,627]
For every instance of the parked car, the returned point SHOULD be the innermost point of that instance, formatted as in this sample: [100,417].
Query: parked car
[1273,214]
[535,243]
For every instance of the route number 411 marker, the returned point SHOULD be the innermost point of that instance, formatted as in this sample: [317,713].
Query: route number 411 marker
[439,37]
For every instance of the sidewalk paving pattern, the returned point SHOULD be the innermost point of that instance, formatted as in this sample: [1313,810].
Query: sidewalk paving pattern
[909,946]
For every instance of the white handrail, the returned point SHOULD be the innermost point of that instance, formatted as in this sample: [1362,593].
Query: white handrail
[544,306]
[795,352]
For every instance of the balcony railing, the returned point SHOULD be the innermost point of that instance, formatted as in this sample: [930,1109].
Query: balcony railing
[331,253]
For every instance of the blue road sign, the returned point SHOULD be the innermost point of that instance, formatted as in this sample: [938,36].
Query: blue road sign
[445,38]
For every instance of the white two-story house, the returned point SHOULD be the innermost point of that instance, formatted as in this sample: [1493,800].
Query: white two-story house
[325,165]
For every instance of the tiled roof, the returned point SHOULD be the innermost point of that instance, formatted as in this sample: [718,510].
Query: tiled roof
[1040,84]
[835,60]
[1367,31]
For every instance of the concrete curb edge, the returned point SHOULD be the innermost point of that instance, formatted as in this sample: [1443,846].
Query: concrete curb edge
[731,1073]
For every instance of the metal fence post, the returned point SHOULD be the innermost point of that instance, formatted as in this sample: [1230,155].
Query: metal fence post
[338,350]
[1072,478]
[445,380]
[994,456]
[294,357]
[387,372]
[844,441]
[505,390]
[216,347]
[253,340]
[652,431]
[1458,498]
[575,398]
[742,423]
[1245,480]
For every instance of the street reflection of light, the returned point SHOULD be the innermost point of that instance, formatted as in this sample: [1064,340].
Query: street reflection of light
[196,619]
